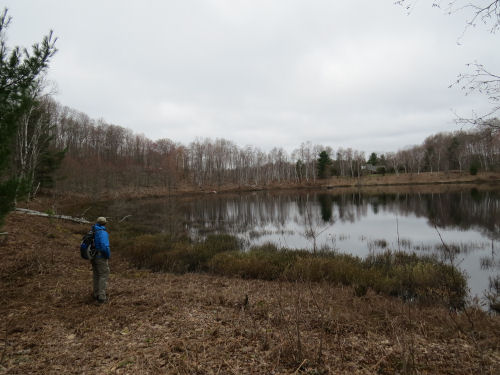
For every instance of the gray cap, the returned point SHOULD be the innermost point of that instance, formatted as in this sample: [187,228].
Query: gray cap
[101,220]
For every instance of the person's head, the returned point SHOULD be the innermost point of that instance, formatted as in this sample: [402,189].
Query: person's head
[101,220]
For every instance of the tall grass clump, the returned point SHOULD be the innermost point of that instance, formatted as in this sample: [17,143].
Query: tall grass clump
[196,256]
[263,262]
[416,277]
[162,252]
[392,273]
[145,250]
[335,268]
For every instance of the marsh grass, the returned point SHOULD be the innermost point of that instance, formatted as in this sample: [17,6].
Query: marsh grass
[461,247]
[489,263]
[162,252]
[380,243]
[409,276]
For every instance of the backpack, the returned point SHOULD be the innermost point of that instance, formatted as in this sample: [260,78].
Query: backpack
[87,247]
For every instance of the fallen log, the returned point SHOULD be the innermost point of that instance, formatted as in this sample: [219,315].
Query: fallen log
[43,214]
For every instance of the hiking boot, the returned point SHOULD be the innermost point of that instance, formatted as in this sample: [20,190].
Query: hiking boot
[100,301]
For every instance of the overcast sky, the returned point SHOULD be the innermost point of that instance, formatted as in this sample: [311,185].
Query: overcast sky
[268,73]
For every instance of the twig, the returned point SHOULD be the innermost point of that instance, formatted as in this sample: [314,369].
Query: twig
[397,230]
[84,212]
[300,366]
[125,217]
[473,334]
[322,319]
[378,362]
[230,367]
[4,345]
[297,323]
[281,309]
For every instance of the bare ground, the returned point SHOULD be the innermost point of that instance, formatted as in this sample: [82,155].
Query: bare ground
[158,323]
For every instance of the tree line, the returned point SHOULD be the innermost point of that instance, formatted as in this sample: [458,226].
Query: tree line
[86,155]
[100,156]
[59,147]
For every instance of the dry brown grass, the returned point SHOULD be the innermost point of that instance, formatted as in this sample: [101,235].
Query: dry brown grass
[159,323]
[368,181]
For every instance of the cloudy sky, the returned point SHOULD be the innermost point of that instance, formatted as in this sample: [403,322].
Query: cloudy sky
[266,73]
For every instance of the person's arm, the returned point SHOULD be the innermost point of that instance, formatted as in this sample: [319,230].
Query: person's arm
[106,249]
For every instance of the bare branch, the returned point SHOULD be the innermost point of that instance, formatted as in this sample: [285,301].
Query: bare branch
[488,13]
[482,81]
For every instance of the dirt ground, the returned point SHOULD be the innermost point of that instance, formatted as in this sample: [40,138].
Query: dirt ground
[159,323]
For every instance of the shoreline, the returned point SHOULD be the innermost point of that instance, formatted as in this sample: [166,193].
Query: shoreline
[491,179]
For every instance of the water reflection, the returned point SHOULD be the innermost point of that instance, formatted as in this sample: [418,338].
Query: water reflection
[358,222]
[326,203]
[361,223]
[462,210]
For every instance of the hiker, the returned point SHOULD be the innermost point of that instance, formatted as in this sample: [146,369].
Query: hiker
[100,267]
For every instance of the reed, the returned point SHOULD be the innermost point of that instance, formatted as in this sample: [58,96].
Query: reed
[412,277]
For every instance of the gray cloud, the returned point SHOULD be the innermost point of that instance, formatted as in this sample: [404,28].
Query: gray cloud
[266,73]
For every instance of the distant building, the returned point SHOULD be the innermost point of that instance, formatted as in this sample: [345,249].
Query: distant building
[369,168]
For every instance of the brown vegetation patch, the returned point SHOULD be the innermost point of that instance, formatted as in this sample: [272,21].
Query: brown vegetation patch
[374,181]
[201,324]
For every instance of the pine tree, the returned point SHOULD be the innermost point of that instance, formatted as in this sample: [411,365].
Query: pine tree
[20,76]
[373,159]
[324,165]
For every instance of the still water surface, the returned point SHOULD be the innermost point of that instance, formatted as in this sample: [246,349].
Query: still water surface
[359,223]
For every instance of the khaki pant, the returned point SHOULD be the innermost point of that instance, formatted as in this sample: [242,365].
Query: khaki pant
[100,270]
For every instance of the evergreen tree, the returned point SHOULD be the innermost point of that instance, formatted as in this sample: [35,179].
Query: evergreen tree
[373,159]
[324,165]
[300,169]
[20,76]
[382,160]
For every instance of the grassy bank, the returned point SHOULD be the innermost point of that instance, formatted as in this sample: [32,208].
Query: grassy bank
[367,181]
[197,323]
[390,273]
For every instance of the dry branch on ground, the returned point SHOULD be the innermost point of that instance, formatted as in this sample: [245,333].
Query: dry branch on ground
[53,216]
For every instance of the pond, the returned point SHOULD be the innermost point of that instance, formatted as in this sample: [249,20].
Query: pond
[459,224]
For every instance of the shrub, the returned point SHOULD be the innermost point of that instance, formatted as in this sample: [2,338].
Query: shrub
[473,169]
[161,252]
[196,257]
[410,276]
[339,269]
[143,250]
[264,262]
[245,265]
[360,290]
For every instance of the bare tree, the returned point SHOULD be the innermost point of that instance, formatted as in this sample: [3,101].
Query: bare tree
[486,83]
[33,138]
[479,78]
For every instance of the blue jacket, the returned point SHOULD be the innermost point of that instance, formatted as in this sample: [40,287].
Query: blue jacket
[101,241]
